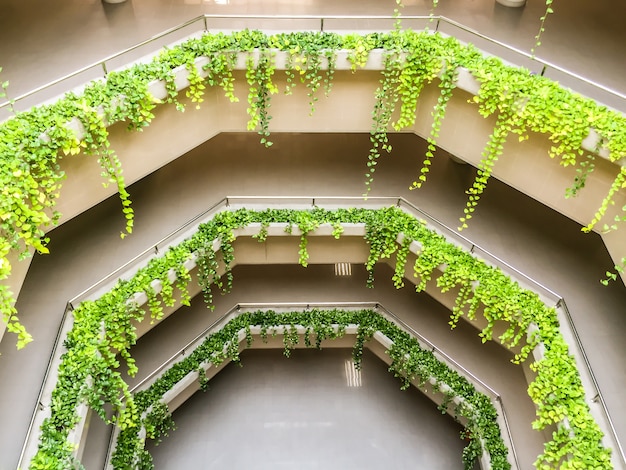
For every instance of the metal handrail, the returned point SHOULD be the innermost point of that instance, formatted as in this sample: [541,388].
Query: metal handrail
[311,305]
[154,249]
[559,303]
[466,372]
[437,20]
[351,305]
[312,202]
[315,201]
[433,348]
[102,62]
[532,57]
[58,340]
[599,397]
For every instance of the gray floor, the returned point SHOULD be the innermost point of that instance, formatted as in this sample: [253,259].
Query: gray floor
[279,413]
[40,41]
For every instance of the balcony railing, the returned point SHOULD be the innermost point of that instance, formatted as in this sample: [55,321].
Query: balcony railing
[127,270]
[278,23]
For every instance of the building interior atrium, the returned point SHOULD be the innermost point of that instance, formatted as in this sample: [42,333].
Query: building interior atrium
[316,409]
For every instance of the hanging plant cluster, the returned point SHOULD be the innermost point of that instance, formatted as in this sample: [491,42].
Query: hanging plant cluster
[409,361]
[33,143]
[103,329]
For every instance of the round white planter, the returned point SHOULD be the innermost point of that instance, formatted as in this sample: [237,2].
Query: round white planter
[512,3]
[113,1]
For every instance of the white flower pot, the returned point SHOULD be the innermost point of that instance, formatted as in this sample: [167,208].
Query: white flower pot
[512,3]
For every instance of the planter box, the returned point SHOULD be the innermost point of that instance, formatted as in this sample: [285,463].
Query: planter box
[466,81]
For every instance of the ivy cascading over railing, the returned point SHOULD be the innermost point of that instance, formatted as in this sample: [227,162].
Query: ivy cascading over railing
[32,143]
[103,329]
[409,361]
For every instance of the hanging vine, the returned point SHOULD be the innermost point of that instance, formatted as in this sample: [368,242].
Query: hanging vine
[618,183]
[33,143]
[543,19]
[259,77]
[447,84]
[493,150]
[585,168]
[386,98]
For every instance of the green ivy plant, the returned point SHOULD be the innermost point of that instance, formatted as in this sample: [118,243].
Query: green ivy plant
[542,29]
[308,55]
[409,362]
[259,77]
[495,148]
[359,48]
[33,143]
[9,312]
[103,330]
[447,84]
[386,99]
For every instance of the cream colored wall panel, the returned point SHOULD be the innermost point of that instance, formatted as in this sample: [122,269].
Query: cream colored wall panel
[464,133]
[170,135]
[328,250]
[347,108]
[282,250]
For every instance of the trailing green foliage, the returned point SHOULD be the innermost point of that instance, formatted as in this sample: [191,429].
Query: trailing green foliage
[259,79]
[33,143]
[448,77]
[103,329]
[409,362]
[542,29]
[491,153]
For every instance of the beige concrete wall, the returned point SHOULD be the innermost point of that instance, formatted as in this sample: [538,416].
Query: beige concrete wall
[524,165]
[172,133]
[464,132]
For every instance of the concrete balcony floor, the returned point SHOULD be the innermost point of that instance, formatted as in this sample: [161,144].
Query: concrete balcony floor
[533,238]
